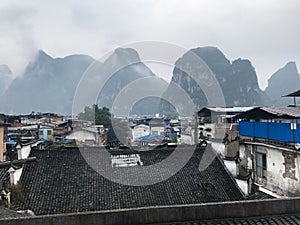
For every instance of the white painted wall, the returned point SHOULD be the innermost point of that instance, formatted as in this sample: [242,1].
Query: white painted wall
[231,166]
[275,180]
[275,170]
[25,151]
[18,174]
[140,131]
[81,135]
[243,185]
[157,130]
[218,148]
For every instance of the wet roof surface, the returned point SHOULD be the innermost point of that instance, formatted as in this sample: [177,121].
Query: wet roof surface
[61,181]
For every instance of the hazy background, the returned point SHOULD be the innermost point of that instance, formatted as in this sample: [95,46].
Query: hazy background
[266,32]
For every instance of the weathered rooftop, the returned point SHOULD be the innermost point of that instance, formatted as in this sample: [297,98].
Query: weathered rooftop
[61,181]
[226,109]
[271,113]
[4,175]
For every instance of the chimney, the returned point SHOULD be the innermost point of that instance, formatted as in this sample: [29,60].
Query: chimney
[12,175]
[19,150]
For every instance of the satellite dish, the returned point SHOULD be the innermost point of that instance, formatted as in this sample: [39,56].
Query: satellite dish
[297,146]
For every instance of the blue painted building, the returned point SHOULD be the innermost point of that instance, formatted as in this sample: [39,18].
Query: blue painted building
[278,124]
[269,149]
[46,133]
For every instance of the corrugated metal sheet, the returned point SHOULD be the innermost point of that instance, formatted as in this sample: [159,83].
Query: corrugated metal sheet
[230,109]
[271,113]
[283,111]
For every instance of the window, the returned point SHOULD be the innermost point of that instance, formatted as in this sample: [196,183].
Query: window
[49,132]
[261,164]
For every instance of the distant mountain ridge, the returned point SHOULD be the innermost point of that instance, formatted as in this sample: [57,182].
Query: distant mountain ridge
[284,81]
[238,80]
[48,84]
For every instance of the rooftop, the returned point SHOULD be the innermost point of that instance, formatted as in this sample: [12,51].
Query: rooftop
[293,94]
[227,109]
[271,113]
[61,181]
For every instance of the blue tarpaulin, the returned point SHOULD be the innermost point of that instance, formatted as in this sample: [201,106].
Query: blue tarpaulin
[270,130]
[150,137]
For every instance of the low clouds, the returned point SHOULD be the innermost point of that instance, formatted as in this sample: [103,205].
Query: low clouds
[266,32]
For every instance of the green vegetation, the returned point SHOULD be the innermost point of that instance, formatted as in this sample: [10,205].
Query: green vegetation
[117,128]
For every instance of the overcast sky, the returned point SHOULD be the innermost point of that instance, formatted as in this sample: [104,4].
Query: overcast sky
[263,31]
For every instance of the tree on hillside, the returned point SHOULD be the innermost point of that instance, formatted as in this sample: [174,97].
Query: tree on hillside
[117,129]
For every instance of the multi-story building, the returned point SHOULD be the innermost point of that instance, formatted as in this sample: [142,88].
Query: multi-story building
[269,148]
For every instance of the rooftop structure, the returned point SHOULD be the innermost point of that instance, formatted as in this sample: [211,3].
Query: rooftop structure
[271,113]
[293,94]
[61,181]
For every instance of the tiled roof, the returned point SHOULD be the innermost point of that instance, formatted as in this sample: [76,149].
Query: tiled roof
[4,175]
[61,181]
[271,113]
[268,220]
[283,111]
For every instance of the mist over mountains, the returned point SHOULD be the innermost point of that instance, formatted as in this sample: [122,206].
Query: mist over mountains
[237,80]
[48,84]
[5,78]
[284,81]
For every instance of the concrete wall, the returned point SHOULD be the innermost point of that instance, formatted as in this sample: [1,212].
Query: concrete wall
[82,135]
[282,174]
[279,178]
[219,148]
[139,131]
[243,185]
[186,139]
[168,214]
[231,166]
[25,151]
[157,130]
